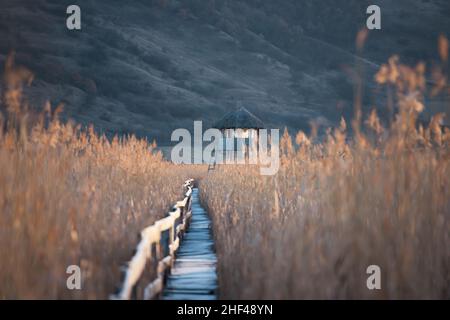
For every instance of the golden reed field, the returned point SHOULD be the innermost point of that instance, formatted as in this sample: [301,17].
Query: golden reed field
[335,208]
[69,196]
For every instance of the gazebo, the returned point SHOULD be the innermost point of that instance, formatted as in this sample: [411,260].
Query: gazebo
[240,131]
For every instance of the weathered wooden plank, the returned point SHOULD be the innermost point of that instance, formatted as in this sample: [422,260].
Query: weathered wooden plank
[167,222]
[152,233]
[153,288]
[193,275]
[182,204]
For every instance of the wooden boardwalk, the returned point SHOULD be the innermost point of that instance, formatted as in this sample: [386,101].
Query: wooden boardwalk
[193,276]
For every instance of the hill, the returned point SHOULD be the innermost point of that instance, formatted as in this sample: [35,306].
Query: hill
[153,66]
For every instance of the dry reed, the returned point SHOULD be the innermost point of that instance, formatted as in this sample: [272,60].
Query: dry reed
[336,207]
[71,197]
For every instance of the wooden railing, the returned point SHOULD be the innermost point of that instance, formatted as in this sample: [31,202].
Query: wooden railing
[159,241]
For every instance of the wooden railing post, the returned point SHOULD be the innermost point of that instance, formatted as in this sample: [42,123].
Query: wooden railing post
[150,236]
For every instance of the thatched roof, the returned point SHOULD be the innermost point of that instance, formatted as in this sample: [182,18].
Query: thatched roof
[239,119]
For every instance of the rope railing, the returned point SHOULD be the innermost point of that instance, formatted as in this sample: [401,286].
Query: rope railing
[163,238]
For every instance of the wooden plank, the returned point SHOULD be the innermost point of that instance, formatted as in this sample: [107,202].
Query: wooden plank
[165,223]
[153,289]
[193,275]
[182,204]
[135,268]
[152,234]
[174,246]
